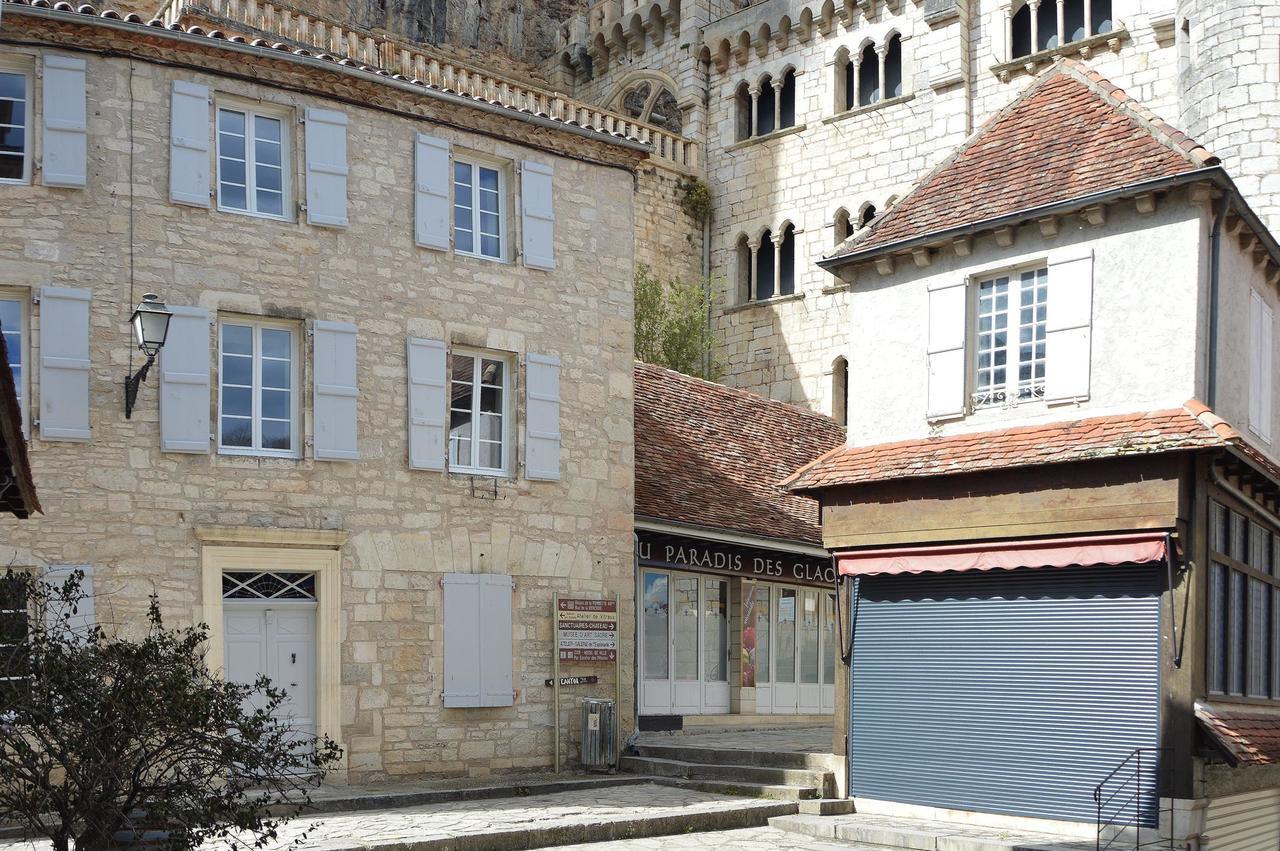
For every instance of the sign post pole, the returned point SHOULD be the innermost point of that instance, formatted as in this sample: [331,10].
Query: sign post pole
[617,687]
[555,671]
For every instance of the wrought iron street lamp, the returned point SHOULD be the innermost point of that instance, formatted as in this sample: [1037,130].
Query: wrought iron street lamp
[150,329]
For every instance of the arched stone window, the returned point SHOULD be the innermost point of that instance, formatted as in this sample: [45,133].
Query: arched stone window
[1034,25]
[654,104]
[842,225]
[867,215]
[766,106]
[846,81]
[764,276]
[840,391]
[787,100]
[787,260]
[742,258]
[742,112]
[893,68]
[869,77]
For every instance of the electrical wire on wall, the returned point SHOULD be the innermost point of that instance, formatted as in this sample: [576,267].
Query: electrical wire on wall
[129,305]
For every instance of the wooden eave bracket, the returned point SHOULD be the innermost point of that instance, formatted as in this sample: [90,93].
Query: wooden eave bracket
[1095,215]
[1048,226]
[1004,237]
[1145,203]
[884,264]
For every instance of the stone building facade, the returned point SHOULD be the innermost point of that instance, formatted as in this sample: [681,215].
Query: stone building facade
[951,65]
[287,454]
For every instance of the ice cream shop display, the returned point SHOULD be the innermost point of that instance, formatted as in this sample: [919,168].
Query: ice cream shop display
[737,597]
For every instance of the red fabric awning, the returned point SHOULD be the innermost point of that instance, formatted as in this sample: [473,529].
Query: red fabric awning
[1129,548]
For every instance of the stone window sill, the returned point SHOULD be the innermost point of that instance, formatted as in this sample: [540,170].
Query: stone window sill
[776,134]
[1082,49]
[768,302]
[871,107]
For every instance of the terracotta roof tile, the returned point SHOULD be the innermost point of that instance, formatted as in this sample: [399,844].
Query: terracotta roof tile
[1071,134]
[709,455]
[1191,427]
[1247,736]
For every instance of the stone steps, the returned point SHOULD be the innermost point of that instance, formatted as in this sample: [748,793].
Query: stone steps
[769,775]
[744,789]
[737,756]
[923,835]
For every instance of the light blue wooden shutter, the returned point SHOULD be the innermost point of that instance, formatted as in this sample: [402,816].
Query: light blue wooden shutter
[431,192]
[336,394]
[189,144]
[542,380]
[947,331]
[1068,328]
[495,641]
[427,404]
[326,168]
[462,632]
[64,363]
[85,616]
[66,126]
[538,215]
[184,382]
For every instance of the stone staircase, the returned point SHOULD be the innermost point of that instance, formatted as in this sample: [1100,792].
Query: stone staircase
[734,771]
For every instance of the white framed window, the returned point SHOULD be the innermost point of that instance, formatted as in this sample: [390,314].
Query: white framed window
[15,122]
[258,388]
[479,209]
[253,161]
[1009,337]
[480,413]
[14,319]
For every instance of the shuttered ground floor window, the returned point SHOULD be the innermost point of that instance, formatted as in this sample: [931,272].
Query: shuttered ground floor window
[1009,691]
[1243,644]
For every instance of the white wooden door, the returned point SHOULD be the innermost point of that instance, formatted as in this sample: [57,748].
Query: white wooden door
[808,628]
[828,650]
[278,640]
[785,674]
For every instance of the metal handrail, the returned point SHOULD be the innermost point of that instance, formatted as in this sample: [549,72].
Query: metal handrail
[1132,786]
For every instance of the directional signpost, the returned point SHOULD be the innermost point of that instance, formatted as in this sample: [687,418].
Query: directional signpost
[586,631]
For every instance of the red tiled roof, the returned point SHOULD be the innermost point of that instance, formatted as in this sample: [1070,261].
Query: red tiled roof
[712,456]
[1191,427]
[1246,736]
[1071,134]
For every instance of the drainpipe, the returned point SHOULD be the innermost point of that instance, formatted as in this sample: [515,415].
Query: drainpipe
[706,223]
[1215,262]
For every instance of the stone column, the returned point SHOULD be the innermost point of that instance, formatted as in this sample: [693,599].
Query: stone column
[777,105]
[1062,32]
[1088,18]
[881,52]
[755,112]
[1008,33]
[856,62]
[777,239]
[754,246]
[1034,6]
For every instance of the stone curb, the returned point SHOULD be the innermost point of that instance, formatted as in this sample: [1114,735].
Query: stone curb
[754,815]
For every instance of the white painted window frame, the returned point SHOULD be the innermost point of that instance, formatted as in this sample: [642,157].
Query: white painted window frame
[508,413]
[252,110]
[503,169]
[23,299]
[1011,384]
[24,66]
[295,374]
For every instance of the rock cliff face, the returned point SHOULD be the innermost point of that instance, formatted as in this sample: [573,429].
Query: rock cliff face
[524,29]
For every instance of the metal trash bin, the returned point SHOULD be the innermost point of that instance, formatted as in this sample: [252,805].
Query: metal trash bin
[599,741]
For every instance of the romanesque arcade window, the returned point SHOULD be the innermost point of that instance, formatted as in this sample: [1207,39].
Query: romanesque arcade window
[766,107]
[1039,25]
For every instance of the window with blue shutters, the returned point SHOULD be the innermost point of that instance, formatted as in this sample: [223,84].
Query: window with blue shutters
[253,161]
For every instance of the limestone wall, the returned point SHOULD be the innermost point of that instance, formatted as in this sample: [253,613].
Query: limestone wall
[121,504]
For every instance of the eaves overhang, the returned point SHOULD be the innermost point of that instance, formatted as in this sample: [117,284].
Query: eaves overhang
[1215,175]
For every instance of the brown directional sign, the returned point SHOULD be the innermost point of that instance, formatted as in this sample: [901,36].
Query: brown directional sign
[587,630]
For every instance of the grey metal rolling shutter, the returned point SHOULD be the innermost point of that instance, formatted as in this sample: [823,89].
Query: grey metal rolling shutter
[1010,692]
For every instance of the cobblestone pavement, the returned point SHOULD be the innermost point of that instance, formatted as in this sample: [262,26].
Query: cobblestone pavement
[469,820]
[748,839]
[793,740]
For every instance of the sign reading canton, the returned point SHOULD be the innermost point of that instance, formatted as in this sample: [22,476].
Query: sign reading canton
[674,551]
[587,630]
